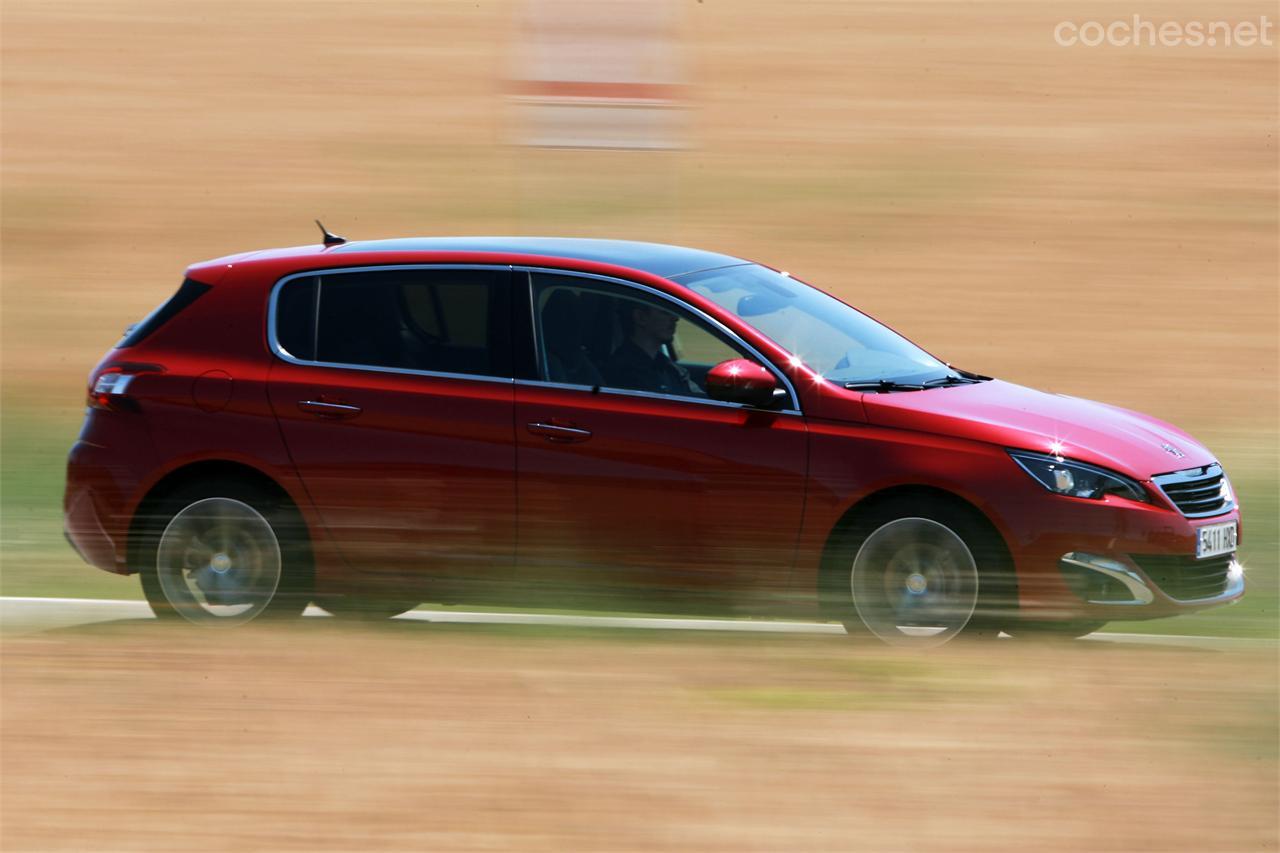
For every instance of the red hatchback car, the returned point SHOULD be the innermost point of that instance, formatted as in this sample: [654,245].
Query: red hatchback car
[371,425]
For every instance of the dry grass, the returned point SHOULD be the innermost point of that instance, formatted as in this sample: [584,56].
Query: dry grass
[142,737]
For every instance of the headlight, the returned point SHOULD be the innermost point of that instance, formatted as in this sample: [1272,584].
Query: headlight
[1076,479]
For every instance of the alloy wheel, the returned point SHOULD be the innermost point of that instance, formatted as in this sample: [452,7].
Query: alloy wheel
[218,562]
[914,582]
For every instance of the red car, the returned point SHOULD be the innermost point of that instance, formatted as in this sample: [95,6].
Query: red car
[371,425]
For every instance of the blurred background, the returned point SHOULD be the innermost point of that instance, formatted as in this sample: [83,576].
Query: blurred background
[1098,221]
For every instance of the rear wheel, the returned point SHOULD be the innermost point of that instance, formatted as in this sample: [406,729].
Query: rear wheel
[919,573]
[225,553]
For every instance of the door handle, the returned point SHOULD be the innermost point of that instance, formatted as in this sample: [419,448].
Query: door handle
[325,409]
[559,433]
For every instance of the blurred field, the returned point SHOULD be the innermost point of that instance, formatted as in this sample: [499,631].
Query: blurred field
[137,736]
[1099,222]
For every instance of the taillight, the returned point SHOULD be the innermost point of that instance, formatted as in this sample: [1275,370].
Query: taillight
[110,384]
[110,389]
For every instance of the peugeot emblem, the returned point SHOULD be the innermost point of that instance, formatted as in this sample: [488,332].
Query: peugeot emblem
[1170,449]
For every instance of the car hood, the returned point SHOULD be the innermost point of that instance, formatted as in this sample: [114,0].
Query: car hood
[1018,417]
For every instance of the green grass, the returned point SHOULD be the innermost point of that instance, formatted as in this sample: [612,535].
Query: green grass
[35,560]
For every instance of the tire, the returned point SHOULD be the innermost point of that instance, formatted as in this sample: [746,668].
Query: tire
[365,608]
[1051,630]
[224,552]
[919,573]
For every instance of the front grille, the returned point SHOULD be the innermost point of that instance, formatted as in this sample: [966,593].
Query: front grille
[1186,578]
[1196,491]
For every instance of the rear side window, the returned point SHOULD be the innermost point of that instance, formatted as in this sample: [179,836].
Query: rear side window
[189,292]
[439,321]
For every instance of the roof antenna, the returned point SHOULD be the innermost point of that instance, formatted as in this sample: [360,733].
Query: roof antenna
[330,239]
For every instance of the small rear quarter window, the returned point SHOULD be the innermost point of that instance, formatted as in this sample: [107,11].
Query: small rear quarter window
[189,292]
[296,318]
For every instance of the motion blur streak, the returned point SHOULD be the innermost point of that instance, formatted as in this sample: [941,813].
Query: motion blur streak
[414,736]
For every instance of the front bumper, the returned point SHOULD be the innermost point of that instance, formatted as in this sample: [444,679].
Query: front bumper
[1118,587]
[1115,559]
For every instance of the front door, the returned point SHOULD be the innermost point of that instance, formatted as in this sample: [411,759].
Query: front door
[635,488]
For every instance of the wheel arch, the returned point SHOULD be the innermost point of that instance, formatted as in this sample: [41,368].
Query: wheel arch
[193,472]
[831,574]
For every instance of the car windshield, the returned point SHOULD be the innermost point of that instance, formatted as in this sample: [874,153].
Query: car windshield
[838,342]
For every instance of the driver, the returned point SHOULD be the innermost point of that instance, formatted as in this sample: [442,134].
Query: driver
[640,364]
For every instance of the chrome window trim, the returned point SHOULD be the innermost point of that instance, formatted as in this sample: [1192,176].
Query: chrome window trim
[284,355]
[653,395]
[794,409]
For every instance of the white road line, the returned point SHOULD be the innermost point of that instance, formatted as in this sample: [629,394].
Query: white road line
[641,622]
[24,614]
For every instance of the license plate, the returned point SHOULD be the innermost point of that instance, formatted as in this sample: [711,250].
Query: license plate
[1215,539]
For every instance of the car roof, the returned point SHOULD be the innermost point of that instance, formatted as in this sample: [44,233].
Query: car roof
[655,258]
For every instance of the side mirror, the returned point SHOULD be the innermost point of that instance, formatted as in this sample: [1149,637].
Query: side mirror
[741,380]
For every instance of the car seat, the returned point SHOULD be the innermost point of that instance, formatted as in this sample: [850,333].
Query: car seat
[567,357]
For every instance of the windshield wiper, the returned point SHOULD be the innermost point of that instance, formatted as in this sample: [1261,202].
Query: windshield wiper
[883,386]
[951,379]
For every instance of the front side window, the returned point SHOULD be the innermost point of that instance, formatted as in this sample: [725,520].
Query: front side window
[839,342]
[600,334]
[434,320]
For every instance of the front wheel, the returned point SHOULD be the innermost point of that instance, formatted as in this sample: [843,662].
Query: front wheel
[919,573]
[225,553]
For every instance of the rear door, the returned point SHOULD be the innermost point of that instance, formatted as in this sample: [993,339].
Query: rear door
[634,486]
[393,390]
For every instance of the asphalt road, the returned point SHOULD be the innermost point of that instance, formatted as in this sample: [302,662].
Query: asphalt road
[19,615]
